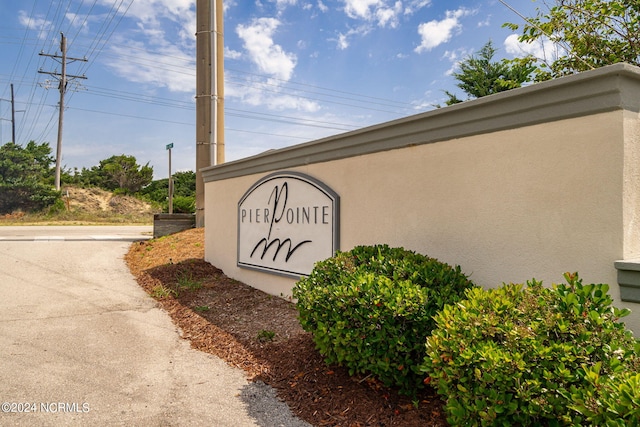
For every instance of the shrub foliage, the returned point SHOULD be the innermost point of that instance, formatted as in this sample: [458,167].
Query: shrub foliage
[371,309]
[26,178]
[184,192]
[530,355]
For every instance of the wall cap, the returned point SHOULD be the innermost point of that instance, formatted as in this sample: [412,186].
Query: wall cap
[629,265]
[610,88]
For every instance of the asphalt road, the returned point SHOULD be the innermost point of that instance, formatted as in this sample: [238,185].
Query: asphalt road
[82,344]
[67,233]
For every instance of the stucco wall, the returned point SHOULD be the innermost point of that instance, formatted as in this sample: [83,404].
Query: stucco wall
[529,183]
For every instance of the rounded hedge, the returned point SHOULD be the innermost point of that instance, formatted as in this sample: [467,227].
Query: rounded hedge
[530,355]
[370,309]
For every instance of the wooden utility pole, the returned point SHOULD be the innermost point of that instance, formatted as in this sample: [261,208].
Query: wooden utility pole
[209,94]
[63,80]
[13,116]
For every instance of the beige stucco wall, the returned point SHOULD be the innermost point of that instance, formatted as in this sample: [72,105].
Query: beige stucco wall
[507,204]
[631,183]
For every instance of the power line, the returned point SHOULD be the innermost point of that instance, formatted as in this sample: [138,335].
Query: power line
[185,105]
[132,116]
[41,25]
[353,94]
[96,47]
[551,37]
[184,123]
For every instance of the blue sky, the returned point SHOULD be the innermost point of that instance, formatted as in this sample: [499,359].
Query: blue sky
[295,70]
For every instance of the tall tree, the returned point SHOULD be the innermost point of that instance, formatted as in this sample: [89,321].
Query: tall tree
[123,172]
[26,177]
[588,33]
[480,75]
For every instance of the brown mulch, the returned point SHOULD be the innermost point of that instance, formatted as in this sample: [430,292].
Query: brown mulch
[260,334]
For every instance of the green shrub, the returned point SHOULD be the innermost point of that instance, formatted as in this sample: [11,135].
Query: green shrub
[523,356]
[184,204]
[371,309]
[606,401]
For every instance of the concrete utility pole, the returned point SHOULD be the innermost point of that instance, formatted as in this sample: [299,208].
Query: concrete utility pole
[209,94]
[219,92]
[63,79]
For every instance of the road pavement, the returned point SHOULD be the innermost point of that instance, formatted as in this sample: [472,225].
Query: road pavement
[125,233]
[82,344]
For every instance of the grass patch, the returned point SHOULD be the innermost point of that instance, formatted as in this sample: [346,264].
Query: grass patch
[186,281]
[160,292]
[265,335]
[77,218]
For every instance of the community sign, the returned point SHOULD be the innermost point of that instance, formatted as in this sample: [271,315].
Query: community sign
[287,221]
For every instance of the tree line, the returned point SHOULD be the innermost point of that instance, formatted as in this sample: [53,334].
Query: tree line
[27,177]
[578,35]
[585,34]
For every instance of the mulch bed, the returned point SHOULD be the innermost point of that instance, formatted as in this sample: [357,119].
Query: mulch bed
[260,334]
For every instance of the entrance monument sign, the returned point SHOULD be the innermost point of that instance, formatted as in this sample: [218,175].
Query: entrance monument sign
[287,221]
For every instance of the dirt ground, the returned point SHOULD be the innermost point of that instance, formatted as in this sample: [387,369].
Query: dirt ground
[260,333]
[95,200]
[86,206]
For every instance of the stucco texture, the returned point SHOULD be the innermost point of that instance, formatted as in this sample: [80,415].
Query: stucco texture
[508,205]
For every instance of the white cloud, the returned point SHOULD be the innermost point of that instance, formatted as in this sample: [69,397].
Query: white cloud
[39,24]
[323,7]
[232,54]
[485,23]
[544,49]
[342,41]
[165,67]
[435,33]
[388,15]
[360,8]
[227,4]
[416,5]
[254,91]
[76,20]
[268,56]
[159,48]
[455,56]
[374,11]
[152,14]
[285,3]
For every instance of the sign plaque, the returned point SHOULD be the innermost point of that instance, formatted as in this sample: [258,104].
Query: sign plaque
[287,221]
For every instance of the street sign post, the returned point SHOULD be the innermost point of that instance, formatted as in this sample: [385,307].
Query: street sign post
[169,147]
